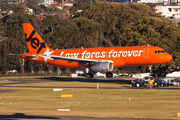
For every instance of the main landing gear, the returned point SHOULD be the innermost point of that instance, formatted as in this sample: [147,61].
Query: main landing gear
[109,75]
[91,75]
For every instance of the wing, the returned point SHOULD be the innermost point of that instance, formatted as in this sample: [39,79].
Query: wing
[79,60]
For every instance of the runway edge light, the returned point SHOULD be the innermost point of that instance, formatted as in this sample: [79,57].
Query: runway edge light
[63,110]
[178,114]
[57,89]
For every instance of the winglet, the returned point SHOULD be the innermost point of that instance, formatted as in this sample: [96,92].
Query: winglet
[34,41]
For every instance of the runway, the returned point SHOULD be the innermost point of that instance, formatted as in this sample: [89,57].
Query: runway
[57,79]
[16,81]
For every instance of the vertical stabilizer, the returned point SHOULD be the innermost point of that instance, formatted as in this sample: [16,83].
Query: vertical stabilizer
[34,41]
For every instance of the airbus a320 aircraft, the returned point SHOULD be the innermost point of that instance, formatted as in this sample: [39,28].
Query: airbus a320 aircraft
[104,59]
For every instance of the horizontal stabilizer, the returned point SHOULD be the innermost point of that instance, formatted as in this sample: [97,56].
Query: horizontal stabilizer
[30,56]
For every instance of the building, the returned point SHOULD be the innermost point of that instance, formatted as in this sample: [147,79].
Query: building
[45,2]
[57,6]
[40,17]
[30,11]
[169,11]
[164,2]
[151,1]
[65,15]
[66,3]
[170,2]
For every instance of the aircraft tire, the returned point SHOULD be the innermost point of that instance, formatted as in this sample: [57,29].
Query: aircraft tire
[89,75]
[109,75]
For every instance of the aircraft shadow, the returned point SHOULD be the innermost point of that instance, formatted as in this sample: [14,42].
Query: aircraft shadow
[18,116]
[94,80]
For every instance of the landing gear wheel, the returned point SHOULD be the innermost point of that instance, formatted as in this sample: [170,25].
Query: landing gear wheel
[109,75]
[89,75]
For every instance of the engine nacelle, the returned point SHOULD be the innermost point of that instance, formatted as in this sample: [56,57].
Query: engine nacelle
[131,69]
[102,67]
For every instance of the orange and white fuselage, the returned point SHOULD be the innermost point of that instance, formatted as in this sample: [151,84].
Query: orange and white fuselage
[121,56]
[98,59]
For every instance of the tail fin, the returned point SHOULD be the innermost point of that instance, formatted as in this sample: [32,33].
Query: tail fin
[34,41]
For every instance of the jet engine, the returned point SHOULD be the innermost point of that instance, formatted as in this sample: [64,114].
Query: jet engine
[102,67]
[131,69]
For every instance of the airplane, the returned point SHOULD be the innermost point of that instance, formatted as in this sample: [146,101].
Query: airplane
[102,59]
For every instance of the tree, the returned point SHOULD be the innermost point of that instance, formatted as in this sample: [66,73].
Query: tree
[90,30]
[90,2]
[12,24]
[114,17]
[30,3]
[157,31]
[79,6]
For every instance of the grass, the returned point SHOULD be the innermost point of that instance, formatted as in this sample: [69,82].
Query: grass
[116,103]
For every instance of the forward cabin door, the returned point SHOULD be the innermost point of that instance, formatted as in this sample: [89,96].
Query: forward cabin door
[146,53]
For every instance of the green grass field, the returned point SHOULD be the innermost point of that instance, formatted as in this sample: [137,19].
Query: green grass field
[111,103]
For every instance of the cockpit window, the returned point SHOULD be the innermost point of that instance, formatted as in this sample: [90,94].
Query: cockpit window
[159,51]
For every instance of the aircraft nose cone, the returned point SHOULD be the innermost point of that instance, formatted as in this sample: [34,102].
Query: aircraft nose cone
[168,58]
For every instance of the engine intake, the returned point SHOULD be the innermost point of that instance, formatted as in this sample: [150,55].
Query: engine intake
[102,67]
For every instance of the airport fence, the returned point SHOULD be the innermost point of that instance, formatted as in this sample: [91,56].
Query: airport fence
[34,70]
